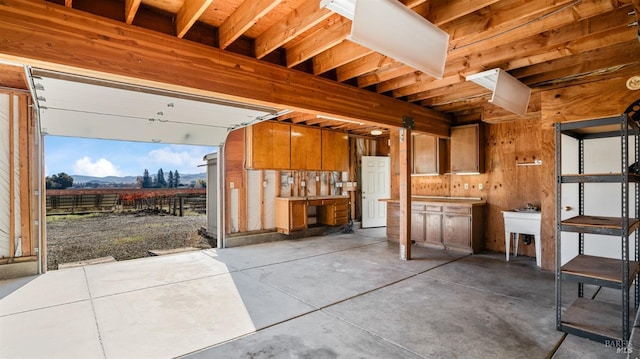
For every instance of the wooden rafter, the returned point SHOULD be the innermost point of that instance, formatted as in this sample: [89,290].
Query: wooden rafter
[331,34]
[130,10]
[243,18]
[189,13]
[298,21]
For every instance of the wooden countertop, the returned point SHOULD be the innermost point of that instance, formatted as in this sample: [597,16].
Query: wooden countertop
[469,201]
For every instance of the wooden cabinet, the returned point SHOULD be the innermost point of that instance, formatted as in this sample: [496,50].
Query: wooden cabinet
[305,148]
[333,212]
[429,155]
[291,213]
[467,149]
[457,225]
[433,232]
[335,151]
[418,223]
[268,146]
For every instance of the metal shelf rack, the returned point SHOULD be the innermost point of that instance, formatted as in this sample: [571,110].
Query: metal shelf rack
[598,320]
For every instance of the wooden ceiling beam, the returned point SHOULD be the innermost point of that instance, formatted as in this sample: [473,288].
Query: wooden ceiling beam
[619,54]
[32,34]
[331,34]
[130,10]
[243,18]
[305,17]
[338,55]
[488,35]
[386,74]
[590,34]
[68,3]
[364,65]
[189,13]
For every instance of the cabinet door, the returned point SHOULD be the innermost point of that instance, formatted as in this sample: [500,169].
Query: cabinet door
[305,148]
[297,215]
[433,230]
[425,154]
[269,146]
[417,227]
[335,151]
[457,231]
[467,149]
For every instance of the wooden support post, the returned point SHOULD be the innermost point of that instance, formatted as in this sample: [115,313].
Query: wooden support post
[181,206]
[405,189]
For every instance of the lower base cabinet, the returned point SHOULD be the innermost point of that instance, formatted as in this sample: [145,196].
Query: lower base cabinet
[291,214]
[456,226]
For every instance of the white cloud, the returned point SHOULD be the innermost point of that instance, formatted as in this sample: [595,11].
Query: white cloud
[100,168]
[185,159]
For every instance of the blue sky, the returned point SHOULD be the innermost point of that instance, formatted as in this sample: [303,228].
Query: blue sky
[101,158]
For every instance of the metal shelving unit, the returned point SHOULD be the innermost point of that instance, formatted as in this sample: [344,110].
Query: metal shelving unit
[598,320]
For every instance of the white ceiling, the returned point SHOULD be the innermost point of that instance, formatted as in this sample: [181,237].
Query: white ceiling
[83,107]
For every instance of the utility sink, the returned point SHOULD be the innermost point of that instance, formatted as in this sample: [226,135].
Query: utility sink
[525,221]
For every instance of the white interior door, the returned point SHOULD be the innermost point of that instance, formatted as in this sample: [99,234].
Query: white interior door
[376,175]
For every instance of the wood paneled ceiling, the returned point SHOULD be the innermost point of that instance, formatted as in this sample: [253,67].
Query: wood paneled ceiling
[544,43]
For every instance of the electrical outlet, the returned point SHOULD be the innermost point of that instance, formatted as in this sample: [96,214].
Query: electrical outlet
[303,183]
[317,178]
[232,185]
[466,186]
[480,186]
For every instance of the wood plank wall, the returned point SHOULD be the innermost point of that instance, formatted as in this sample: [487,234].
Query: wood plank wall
[508,186]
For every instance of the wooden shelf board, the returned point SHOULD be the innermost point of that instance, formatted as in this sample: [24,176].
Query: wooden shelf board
[594,316]
[600,222]
[599,268]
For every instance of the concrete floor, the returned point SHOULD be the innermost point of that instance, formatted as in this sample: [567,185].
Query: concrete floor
[337,296]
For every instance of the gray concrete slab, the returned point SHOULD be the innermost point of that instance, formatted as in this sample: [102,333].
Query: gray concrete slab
[441,319]
[314,336]
[62,331]
[343,295]
[520,279]
[387,254]
[112,278]
[177,318]
[278,252]
[326,279]
[48,290]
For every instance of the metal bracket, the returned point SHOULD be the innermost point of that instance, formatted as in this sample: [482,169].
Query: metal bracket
[408,122]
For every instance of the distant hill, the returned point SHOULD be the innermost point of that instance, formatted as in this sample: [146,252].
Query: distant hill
[184,179]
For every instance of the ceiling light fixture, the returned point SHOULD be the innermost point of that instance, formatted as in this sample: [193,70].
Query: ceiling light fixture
[508,92]
[376,132]
[394,30]
[345,8]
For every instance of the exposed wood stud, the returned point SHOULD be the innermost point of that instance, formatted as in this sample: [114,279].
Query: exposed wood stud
[130,10]
[190,11]
[243,18]
[405,193]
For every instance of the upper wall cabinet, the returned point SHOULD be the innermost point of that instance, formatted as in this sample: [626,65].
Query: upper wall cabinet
[467,149]
[305,148]
[335,151]
[268,146]
[429,155]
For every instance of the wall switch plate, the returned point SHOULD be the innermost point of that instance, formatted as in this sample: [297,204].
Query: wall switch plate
[232,184]
[317,178]
[466,186]
[480,186]
[303,183]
